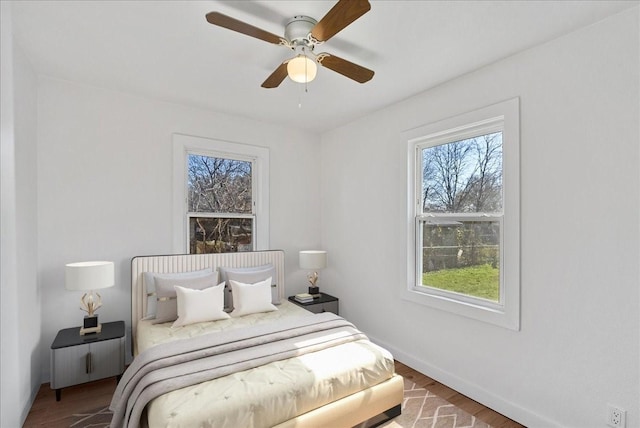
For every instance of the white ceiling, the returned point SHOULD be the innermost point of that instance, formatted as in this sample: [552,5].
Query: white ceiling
[167,50]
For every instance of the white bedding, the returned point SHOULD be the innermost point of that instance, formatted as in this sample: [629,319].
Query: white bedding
[267,395]
[150,334]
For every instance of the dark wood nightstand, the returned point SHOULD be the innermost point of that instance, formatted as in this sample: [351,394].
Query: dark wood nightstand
[324,303]
[78,359]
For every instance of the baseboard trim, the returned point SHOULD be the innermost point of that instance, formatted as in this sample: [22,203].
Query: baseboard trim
[477,393]
[27,407]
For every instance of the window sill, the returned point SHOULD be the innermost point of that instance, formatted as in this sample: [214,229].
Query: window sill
[498,315]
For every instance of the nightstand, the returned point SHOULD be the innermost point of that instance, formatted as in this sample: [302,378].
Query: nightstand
[78,359]
[324,303]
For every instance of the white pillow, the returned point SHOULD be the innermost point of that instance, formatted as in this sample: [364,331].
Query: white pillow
[251,298]
[200,305]
[167,305]
[150,286]
[248,275]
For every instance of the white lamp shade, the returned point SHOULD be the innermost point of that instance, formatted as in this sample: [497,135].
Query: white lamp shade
[302,69]
[89,275]
[313,259]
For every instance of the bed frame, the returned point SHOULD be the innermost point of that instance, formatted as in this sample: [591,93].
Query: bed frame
[375,404]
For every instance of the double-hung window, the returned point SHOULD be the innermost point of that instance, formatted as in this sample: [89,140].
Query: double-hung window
[464,215]
[221,196]
[220,205]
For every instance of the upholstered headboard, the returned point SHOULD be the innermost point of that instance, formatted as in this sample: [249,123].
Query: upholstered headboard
[191,262]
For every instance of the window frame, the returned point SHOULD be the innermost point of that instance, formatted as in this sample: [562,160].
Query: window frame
[183,146]
[502,116]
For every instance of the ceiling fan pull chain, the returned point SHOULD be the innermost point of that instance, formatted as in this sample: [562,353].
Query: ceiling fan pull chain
[306,72]
[303,91]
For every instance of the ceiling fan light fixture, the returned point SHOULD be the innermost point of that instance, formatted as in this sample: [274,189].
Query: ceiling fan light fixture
[302,69]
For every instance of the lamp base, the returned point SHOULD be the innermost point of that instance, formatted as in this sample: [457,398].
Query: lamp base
[84,331]
[90,324]
[314,291]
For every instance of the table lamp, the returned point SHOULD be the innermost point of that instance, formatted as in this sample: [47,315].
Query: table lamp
[89,276]
[313,260]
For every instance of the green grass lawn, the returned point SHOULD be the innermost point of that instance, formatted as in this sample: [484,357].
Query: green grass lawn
[480,281]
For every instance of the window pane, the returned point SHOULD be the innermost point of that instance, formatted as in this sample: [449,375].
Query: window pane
[219,185]
[220,235]
[462,256]
[463,176]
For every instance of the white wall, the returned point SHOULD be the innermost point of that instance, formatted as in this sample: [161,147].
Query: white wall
[105,188]
[20,357]
[9,405]
[29,303]
[578,345]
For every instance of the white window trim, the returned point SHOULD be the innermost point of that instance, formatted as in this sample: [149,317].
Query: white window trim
[185,144]
[506,314]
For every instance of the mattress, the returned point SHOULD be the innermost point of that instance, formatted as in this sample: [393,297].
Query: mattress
[270,394]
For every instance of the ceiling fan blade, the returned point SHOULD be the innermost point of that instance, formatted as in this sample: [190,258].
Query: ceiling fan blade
[276,77]
[344,67]
[221,20]
[340,16]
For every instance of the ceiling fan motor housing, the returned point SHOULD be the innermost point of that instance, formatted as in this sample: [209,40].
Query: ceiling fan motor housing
[297,30]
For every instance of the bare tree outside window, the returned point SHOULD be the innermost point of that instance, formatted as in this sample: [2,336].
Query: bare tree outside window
[220,204]
[463,176]
[460,251]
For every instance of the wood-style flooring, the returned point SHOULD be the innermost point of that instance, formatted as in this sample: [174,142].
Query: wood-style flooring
[470,406]
[46,412]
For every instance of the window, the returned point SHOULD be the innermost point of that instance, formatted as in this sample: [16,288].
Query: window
[221,196]
[219,204]
[464,215]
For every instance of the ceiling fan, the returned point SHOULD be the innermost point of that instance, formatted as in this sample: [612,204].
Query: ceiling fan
[302,34]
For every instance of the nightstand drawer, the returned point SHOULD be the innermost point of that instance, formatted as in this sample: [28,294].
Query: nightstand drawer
[84,363]
[323,307]
[324,303]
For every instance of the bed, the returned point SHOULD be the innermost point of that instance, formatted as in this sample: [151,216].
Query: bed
[283,367]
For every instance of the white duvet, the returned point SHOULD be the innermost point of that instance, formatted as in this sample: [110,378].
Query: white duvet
[267,395]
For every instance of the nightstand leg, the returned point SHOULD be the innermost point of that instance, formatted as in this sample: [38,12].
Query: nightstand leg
[58,394]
